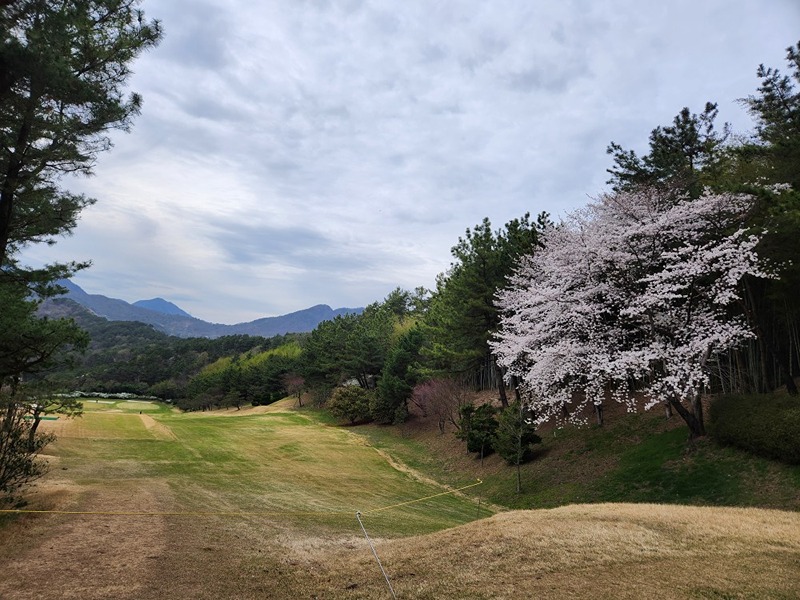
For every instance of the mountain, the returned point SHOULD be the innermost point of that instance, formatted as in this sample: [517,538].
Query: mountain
[162,306]
[168,318]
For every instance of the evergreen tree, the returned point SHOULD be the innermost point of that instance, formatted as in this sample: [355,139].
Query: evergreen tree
[683,158]
[776,109]
[63,69]
[514,437]
[400,375]
[477,427]
[462,315]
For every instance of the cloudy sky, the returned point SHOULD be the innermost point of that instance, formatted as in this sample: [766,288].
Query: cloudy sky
[301,152]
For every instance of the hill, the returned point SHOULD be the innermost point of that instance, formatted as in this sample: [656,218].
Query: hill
[619,551]
[170,319]
[129,356]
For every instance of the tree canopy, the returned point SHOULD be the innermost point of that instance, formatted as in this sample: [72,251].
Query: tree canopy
[462,314]
[682,156]
[632,290]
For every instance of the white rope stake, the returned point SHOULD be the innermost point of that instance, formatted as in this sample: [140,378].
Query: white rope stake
[389,583]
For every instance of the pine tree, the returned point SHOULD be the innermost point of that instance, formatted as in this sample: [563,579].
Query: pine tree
[63,71]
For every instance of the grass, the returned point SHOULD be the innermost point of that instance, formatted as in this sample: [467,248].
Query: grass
[272,460]
[282,472]
[601,551]
[632,458]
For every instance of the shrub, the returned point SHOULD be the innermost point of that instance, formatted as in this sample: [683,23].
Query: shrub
[350,402]
[767,425]
[389,403]
[477,427]
[19,464]
[443,398]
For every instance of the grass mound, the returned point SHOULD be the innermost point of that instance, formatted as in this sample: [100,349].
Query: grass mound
[596,551]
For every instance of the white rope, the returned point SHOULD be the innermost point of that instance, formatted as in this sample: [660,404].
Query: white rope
[385,576]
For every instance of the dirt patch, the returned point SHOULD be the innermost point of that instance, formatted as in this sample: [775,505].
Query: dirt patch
[86,555]
[156,429]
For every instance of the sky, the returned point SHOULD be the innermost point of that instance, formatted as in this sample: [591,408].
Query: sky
[300,152]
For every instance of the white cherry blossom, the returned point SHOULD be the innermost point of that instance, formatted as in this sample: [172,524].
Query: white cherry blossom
[637,291]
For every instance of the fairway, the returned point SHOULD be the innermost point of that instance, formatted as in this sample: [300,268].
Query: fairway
[273,463]
[261,503]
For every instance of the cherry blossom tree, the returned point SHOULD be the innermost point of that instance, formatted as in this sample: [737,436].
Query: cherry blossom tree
[635,293]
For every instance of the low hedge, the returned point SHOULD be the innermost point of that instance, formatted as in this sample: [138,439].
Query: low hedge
[767,425]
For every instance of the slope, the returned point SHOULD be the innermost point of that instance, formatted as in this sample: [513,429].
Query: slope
[235,504]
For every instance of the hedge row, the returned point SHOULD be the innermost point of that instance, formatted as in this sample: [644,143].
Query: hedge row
[767,425]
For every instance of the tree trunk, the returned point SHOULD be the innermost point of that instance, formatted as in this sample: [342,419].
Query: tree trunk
[11,178]
[515,383]
[37,418]
[598,411]
[694,420]
[8,422]
[791,386]
[697,409]
[501,385]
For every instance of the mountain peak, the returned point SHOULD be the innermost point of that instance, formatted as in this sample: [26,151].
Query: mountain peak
[168,318]
[161,306]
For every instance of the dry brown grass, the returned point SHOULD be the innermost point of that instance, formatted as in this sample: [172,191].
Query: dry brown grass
[602,551]
[581,551]
[158,430]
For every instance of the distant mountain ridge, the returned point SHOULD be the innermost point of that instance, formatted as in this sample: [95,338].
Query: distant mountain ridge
[162,306]
[172,320]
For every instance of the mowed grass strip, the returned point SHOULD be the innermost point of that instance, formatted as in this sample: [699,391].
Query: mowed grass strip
[276,464]
[101,426]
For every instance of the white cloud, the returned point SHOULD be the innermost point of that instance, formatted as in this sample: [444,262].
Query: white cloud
[295,152]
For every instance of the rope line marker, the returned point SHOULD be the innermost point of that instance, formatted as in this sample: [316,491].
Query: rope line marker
[374,552]
[374,510]
[232,514]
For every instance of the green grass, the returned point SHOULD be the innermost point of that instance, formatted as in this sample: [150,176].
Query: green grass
[633,458]
[300,462]
[284,462]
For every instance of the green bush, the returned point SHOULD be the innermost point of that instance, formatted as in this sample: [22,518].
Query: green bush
[477,427]
[767,425]
[388,404]
[350,402]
